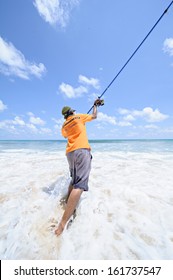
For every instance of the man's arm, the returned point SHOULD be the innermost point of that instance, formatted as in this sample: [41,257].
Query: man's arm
[94,113]
[98,102]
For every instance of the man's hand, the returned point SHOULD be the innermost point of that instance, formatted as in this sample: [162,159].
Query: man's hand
[99,102]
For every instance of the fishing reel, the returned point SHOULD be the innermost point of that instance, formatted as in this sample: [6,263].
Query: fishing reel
[99,102]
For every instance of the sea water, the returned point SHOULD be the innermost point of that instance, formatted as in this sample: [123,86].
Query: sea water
[126,215]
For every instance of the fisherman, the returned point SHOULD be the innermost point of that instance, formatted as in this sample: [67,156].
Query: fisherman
[78,156]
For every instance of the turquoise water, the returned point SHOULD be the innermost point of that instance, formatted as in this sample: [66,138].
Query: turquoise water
[96,145]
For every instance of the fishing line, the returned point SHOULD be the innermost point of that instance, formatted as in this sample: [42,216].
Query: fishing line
[134,53]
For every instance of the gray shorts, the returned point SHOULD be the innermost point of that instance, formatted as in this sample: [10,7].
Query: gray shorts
[80,165]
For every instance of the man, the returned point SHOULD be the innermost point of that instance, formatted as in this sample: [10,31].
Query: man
[78,156]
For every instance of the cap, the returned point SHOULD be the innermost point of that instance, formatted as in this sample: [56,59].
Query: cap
[65,110]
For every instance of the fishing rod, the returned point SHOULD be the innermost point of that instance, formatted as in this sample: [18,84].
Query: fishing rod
[166,10]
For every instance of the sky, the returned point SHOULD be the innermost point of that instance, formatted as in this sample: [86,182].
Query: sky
[56,53]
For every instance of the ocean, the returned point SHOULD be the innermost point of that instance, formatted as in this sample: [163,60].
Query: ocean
[126,215]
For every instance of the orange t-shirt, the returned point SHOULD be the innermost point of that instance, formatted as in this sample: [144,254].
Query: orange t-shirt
[75,131]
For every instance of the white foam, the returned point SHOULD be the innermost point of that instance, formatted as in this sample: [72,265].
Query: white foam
[127,214]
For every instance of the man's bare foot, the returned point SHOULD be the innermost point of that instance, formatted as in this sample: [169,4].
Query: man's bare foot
[59,230]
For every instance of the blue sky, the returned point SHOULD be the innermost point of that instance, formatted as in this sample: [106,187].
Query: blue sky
[55,53]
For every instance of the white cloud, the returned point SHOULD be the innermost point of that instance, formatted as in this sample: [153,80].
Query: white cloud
[38,130]
[16,121]
[12,125]
[129,118]
[89,81]
[105,118]
[2,106]
[55,11]
[123,111]
[19,121]
[147,113]
[13,63]
[168,46]
[5,125]
[32,127]
[72,92]
[124,123]
[153,115]
[36,120]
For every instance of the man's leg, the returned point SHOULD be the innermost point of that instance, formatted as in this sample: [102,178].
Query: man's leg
[70,188]
[71,205]
[64,199]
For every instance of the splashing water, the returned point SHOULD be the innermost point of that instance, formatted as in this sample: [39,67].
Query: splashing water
[125,215]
